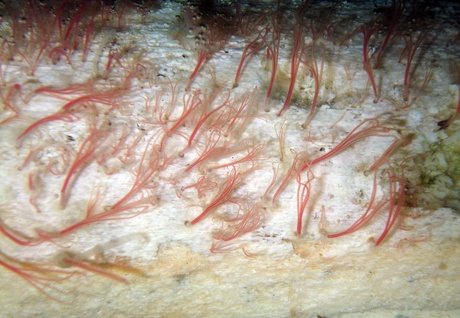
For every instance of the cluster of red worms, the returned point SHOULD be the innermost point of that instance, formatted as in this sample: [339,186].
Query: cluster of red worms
[182,136]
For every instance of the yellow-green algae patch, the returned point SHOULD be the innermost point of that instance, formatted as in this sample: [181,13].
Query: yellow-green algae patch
[434,180]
